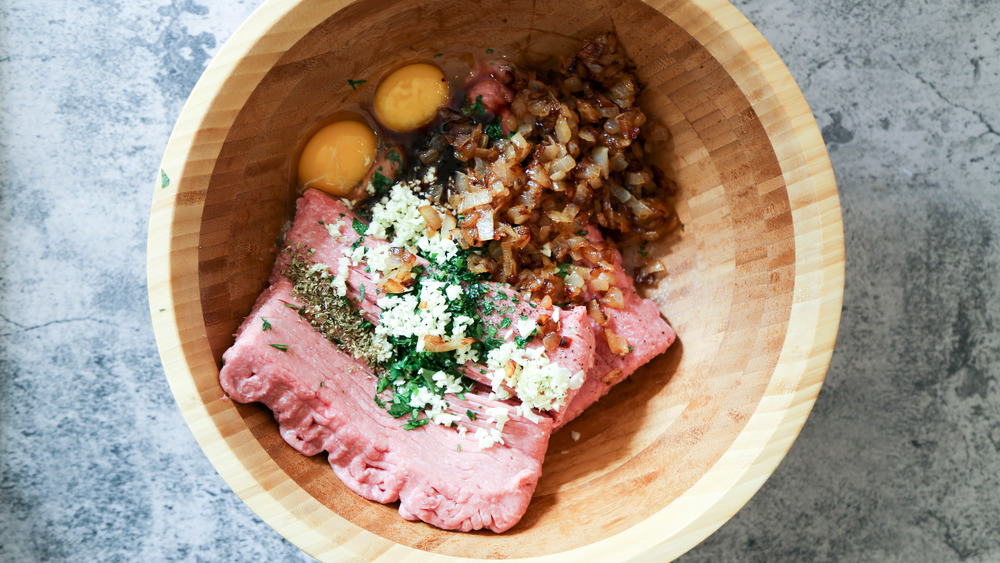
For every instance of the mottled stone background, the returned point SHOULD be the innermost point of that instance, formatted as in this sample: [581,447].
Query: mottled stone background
[900,460]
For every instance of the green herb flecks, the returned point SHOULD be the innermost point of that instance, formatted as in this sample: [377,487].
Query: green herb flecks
[563,270]
[164,180]
[415,423]
[475,108]
[494,130]
[410,369]
[472,416]
[393,156]
[360,227]
[490,51]
[355,83]
[380,183]
[282,347]
[266,326]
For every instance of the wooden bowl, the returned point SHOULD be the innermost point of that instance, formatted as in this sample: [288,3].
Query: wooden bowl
[754,289]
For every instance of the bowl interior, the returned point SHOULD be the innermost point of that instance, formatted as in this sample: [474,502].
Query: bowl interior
[728,294]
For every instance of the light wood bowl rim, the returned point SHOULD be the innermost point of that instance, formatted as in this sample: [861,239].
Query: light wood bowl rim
[172,262]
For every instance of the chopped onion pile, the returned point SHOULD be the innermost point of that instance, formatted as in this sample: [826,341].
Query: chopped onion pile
[567,154]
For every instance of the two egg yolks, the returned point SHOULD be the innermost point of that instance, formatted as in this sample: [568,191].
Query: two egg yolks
[410,97]
[338,157]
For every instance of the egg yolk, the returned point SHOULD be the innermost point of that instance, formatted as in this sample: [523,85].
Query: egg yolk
[338,157]
[410,97]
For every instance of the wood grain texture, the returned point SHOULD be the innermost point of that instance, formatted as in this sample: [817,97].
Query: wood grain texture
[754,288]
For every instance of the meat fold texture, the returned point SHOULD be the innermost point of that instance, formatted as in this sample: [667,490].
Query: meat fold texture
[639,322]
[322,398]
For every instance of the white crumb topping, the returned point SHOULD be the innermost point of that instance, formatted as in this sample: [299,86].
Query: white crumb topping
[437,247]
[525,327]
[466,353]
[537,381]
[318,267]
[400,213]
[430,176]
[339,281]
[336,230]
[487,438]
[498,415]
[527,413]
[448,382]
[453,292]
[377,257]
[358,254]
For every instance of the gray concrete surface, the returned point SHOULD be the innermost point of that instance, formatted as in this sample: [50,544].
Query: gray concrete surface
[900,460]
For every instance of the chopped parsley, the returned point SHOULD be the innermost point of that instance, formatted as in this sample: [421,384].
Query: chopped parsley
[642,249]
[282,347]
[458,447]
[475,108]
[164,180]
[266,327]
[682,227]
[470,414]
[393,156]
[490,51]
[415,423]
[494,130]
[355,83]
[361,293]
[360,227]
[380,183]
[410,372]
[563,270]
[505,322]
